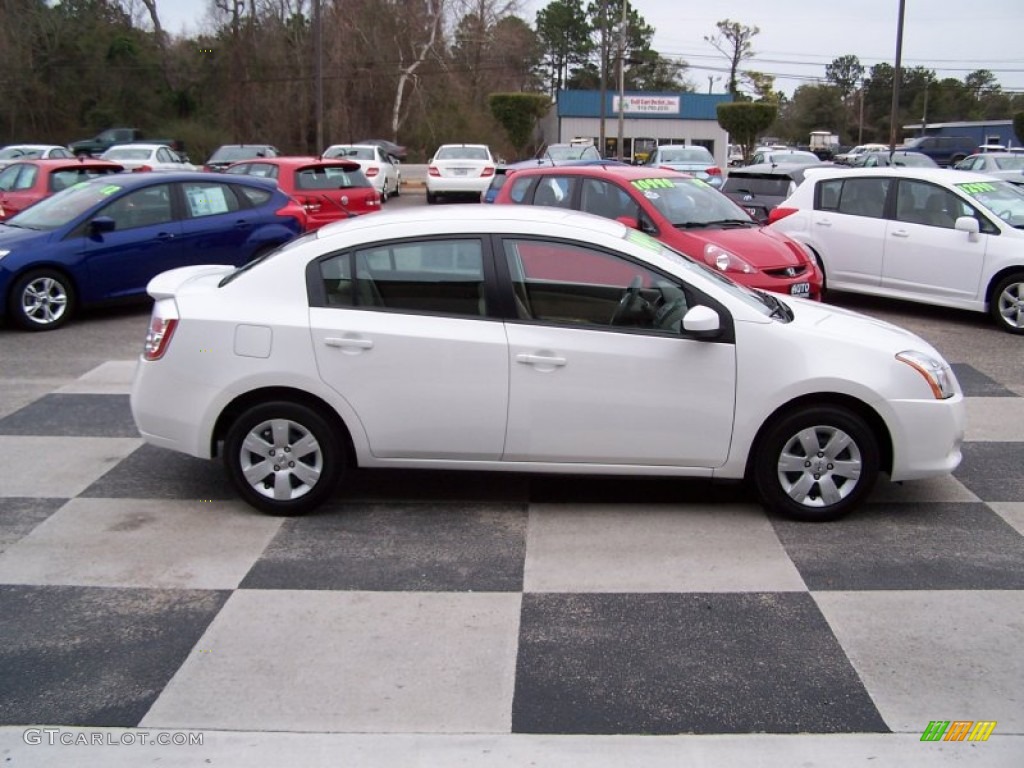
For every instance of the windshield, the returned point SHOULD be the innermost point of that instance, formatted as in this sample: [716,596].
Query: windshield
[9,153]
[119,153]
[690,203]
[1002,198]
[361,153]
[1009,163]
[328,177]
[64,207]
[561,152]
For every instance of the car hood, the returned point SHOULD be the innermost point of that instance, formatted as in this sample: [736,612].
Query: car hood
[13,236]
[761,246]
[828,320]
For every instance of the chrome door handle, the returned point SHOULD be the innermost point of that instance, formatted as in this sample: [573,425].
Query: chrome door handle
[541,360]
[900,233]
[347,343]
[823,223]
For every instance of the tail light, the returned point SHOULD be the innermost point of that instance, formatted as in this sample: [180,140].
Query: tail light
[433,171]
[779,213]
[488,171]
[158,337]
[142,169]
[371,172]
[714,170]
[294,209]
[310,204]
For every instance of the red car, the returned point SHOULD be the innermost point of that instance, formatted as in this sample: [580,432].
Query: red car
[682,212]
[329,190]
[29,181]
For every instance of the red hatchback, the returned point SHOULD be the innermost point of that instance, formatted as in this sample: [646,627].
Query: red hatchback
[28,182]
[682,212]
[328,190]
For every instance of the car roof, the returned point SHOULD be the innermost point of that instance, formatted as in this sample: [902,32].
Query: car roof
[139,145]
[132,180]
[32,146]
[301,161]
[937,175]
[56,163]
[600,169]
[773,169]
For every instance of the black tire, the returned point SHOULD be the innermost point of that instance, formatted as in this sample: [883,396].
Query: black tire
[1007,305]
[307,476]
[41,300]
[385,193]
[847,471]
[431,198]
[397,191]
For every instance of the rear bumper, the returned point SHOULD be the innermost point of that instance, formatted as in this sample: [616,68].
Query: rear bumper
[457,185]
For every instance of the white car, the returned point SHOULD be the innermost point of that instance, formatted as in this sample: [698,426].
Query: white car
[515,338]
[932,235]
[14,153]
[1002,165]
[463,170]
[147,157]
[376,164]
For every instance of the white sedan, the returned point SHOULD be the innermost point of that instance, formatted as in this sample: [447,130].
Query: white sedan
[932,235]
[147,157]
[512,338]
[14,153]
[463,170]
[376,164]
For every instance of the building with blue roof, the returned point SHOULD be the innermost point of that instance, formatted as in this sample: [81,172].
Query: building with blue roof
[649,120]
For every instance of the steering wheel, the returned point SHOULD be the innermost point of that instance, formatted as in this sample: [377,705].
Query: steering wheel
[628,297]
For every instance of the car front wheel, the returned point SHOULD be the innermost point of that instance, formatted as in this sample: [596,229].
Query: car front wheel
[283,458]
[816,463]
[1008,303]
[42,300]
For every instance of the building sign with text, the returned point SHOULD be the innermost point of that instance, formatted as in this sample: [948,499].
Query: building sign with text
[649,105]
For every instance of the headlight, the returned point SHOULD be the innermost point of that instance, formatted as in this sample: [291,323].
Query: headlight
[936,372]
[725,261]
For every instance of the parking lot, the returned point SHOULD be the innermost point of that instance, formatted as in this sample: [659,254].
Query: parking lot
[489,619]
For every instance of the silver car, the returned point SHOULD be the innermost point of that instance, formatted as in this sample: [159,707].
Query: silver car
[696,161]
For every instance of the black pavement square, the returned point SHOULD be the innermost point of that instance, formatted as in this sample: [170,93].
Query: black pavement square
[907,546]
[454,547]
[18,516]
[974,383]
[73,416]
[156,473]
[684,663]
[993,471]
[94,656]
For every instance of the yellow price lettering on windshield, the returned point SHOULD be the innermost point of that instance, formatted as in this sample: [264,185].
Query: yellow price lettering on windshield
[110,189]
[977,186]
[643,239]
[645,184]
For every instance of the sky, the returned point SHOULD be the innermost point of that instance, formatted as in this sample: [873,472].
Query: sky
[799,37]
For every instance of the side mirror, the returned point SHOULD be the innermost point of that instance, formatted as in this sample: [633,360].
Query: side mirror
[702,322]
[968,224]
[102,224]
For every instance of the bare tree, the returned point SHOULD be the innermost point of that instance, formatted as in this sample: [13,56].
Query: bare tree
[733,42]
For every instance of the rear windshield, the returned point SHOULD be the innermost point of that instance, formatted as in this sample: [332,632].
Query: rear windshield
[697,155]
[462,153]
[327,177]
[232,154]
[118,153]
[359,153]
[768,186]
[63,179]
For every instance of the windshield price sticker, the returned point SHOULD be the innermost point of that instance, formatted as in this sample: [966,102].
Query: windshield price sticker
[977,187]
[645,184]
[644,240]
[110,189]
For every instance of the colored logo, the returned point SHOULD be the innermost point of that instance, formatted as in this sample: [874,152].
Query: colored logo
[958,730]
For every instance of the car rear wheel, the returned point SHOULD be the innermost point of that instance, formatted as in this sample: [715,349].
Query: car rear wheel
[42,300]
[283,458]
[431,198]
[1007,305]
[816,463]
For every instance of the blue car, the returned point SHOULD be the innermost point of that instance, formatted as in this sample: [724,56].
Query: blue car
[103,240]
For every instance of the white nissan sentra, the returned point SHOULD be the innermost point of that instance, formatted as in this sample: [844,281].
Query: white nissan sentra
[532,340]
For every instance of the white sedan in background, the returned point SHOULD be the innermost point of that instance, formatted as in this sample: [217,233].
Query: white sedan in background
[376,164]
[14,153]
[932,235]
[460,170]
[526,339]
[147,157]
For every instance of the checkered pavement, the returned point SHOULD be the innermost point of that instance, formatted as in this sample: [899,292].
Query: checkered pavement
[137,591]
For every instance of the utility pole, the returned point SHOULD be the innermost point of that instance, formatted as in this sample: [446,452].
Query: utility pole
[318,75]
[622,80]
[897,75]
[860,122]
